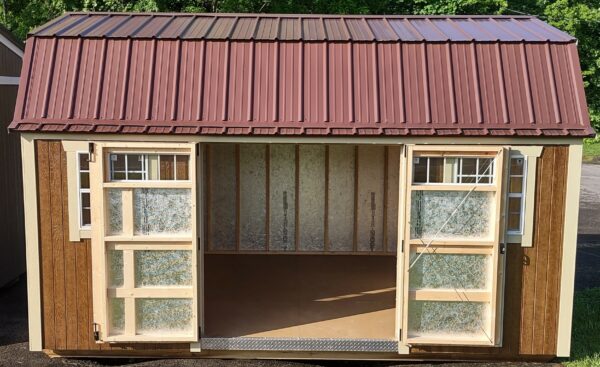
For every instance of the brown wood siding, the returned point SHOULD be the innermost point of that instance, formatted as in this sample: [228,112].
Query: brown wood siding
[10,63]
[66,266]
[532,284]
[12,231]
[531,287]
[542,262]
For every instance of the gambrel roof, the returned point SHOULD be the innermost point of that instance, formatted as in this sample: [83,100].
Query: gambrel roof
[263,74]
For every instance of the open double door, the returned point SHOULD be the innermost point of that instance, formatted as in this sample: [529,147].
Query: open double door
[148,244]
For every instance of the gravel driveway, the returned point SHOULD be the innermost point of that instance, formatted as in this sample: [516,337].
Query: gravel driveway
[13,307]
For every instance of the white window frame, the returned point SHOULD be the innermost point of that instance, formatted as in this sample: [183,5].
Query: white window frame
[531,154]
[145,165]
[81,191]
[458,173]
[522,195]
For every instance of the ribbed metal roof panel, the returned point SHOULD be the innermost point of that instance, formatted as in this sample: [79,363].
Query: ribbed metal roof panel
[336,29]
[289,29]
[406,32]
[306,27]
[223,28]
[359,29]
[170,74]
[382,30]
[176,27]
[268,28]
[313,29]
[199,28]
[245,29]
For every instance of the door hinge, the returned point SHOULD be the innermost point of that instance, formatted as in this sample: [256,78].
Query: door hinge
[96,331]
[502,248]
[197,149]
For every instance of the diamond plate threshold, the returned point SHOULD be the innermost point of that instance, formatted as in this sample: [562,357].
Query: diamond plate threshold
[300,344]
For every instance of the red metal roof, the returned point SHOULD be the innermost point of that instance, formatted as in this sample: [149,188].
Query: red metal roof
[301,75]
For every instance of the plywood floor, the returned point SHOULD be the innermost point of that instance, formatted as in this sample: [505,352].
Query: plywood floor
[300,296]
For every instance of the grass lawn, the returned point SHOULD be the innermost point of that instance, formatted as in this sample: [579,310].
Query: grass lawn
[591,150]
[585,339]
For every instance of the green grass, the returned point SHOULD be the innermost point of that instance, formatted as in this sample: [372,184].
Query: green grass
[591,150]
[585,339]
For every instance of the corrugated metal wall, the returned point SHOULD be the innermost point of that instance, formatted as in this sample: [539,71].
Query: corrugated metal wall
[12,232]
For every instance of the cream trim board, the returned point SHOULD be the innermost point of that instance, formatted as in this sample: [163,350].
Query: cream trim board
[34,297]
[9,80]
[403,348]
[531,154]
[569,250]
[72,149]
[11,46]
[483,142]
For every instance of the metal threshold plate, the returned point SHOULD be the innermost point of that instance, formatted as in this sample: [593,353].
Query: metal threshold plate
[300,344]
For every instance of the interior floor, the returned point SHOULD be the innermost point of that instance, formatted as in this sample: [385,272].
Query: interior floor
[300,296]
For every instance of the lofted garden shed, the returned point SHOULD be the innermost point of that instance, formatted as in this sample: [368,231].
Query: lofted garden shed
[301,186]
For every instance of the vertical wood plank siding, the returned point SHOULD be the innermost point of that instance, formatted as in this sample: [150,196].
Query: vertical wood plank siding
[66,266]
[532,285]
[531,290]
[12,231]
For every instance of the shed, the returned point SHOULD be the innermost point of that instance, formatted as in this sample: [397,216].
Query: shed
[301,186]
[12,232]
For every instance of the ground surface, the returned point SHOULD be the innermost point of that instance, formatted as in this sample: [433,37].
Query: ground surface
[13,308]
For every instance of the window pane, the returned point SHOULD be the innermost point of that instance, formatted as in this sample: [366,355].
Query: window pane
[444,319]
[84,164]
[516,166]
[431,209]
[135,162]
[162,211]
[486,166]
[163,268]
[153,167]
[85,199]
[114,260]
[469,180]
[116,315]
[117,162]
[164,316]
[514,205]
[436,170]
[115,211]
[469,166]
[420,170]
[182,167]
[449,271]
[84,180]
[451,168]
[516,185]
[86,218]
[135,176]
[167,167]
[119,176]
[514,222]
